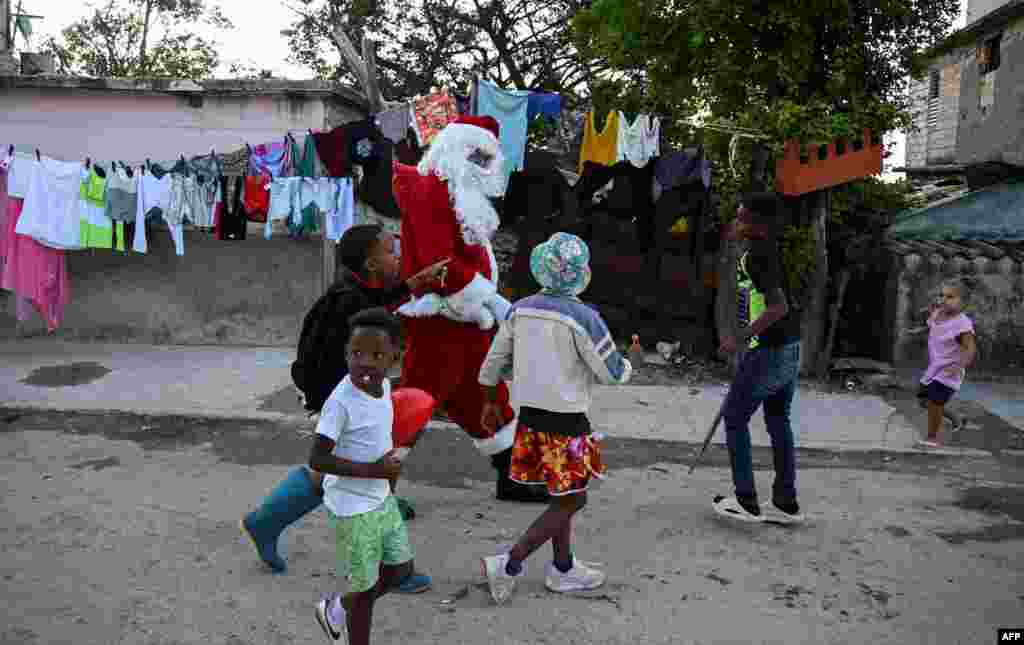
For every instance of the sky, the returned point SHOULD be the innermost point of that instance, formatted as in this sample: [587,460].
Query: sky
[256,38]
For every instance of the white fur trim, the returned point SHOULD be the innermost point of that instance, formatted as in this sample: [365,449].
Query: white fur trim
[493,261]
[500,442]
[427,305]
[471,298]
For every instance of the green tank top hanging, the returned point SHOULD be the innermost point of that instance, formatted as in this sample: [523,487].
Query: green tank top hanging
[305,168]
[751,300]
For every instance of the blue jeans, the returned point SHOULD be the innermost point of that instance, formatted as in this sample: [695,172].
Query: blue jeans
[765,376]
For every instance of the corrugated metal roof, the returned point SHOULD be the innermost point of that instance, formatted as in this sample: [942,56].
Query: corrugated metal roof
[992,214]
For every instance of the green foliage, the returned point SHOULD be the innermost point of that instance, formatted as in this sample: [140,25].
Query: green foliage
[798,262]
[811,71]
[108,43]
[870,196]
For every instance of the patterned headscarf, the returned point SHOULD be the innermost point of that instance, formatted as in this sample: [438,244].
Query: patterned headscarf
[561,265]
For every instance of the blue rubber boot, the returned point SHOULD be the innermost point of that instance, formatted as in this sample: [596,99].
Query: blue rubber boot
[292,499]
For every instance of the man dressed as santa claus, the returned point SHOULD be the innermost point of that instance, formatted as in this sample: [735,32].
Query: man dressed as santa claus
[447,213]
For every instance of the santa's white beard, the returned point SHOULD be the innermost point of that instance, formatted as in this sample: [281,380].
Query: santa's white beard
[477,217]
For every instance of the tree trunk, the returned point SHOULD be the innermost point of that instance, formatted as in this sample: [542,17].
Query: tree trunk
[145,38]
[816,311]
[837,307]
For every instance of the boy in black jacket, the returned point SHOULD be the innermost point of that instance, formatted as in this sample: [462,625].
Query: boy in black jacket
[369,278]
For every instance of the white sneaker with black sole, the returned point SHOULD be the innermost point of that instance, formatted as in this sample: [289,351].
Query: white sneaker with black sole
[323,618]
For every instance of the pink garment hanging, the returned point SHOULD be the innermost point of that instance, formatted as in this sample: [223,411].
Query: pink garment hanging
[34,272]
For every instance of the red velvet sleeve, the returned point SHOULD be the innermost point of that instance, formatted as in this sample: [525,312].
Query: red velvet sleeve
[429,230]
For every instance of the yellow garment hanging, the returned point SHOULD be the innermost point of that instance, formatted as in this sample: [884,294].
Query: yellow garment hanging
[600,147]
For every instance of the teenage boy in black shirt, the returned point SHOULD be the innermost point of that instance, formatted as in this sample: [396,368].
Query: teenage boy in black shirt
[767,375]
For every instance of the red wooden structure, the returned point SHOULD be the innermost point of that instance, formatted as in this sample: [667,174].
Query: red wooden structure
[841,161]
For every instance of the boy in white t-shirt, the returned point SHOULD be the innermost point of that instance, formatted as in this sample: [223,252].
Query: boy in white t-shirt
[354,450]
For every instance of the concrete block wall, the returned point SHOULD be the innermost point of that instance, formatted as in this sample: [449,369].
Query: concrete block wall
[995,134]
[995,303]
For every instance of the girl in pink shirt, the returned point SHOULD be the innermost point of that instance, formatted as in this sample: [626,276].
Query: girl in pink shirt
[951,350]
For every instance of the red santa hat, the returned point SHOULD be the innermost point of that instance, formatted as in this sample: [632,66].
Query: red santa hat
[486,122]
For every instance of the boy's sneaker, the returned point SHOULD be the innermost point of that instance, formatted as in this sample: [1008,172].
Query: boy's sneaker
[500,583]
[733,509]
[580,578]
[415,583]
[323,617]
[785,514]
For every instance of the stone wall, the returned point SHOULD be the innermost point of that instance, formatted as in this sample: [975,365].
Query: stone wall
[994,276]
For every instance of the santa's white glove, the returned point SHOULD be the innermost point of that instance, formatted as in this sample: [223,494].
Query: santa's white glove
[422,307]
[484,318]
[499,306]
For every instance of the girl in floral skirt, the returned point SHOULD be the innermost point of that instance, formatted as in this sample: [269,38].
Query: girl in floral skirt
[556,347]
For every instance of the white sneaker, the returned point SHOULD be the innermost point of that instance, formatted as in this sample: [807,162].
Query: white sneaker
[500,583]
[323,618]
[580,578]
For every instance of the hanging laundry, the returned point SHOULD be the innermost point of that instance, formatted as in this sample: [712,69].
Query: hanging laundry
[19,173]
[652,137]
[363,141]
[122,195]
[232,223]
[569,131]
[34,272]
[257,198]
[50,212]
[630,145]
[394,123]
[207,170]
[600,147]
[433,112]
[284,198]
[547,104]
[537,194]
[508,107]
[677,168]
[154,195]
[304,220]
[273,159]
[375,188]
[463,104]
[333,149]
[340,209]
[96,229]
[5,167]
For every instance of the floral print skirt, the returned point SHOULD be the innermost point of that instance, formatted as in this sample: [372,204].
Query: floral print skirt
[563,463]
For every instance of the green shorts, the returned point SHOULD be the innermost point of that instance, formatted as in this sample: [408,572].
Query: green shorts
[368,540]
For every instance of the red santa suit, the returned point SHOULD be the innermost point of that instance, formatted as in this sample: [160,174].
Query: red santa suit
[443,354]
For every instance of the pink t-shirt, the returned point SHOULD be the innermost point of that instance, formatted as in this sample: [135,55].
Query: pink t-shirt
[944,349]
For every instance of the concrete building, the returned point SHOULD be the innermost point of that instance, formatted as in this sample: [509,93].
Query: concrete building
[254,291]
[969,106]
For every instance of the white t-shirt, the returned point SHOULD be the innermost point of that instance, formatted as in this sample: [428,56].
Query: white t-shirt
[153,193]
[51,213]
[19,174]
[360,427]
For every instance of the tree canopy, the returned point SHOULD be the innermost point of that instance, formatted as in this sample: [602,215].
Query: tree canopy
[789,68]
[115,41]
[525,44]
